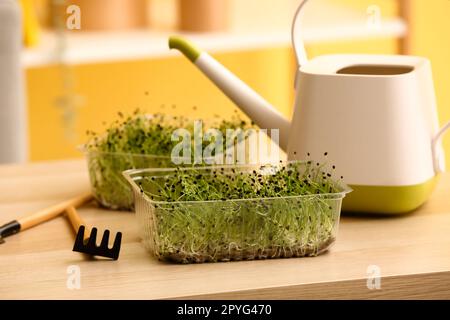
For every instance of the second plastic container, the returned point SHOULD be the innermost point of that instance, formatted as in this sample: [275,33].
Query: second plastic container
[108,185]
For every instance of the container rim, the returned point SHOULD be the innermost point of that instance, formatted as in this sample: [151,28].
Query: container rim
[85,150]
[129,173]
[82,148]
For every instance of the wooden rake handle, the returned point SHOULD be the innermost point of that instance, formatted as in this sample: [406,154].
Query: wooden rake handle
[77,222]
[41,216]
[52,212]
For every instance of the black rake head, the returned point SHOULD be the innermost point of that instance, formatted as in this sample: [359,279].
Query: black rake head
[90,247]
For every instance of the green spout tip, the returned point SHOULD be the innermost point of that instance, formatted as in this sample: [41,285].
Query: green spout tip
[187,48]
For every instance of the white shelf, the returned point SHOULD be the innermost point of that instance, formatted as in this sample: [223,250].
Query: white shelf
[322,24]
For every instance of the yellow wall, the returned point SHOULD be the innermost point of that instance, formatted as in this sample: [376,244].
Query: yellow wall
[430,38]
[109,88]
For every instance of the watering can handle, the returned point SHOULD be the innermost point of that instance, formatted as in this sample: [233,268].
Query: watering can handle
[441,132]
[297,42]
[438,164]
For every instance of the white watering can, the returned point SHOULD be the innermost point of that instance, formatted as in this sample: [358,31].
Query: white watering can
[374,116]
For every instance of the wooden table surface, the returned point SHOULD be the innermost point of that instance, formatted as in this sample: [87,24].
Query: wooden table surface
[412,253]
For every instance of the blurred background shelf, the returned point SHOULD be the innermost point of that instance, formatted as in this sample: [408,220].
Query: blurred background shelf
[130,45]
[325,23]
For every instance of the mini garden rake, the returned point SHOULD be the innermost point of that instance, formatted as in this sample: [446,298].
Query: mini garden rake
[85,241]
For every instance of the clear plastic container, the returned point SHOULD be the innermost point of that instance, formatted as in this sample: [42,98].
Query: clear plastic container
[234,230]
[108,185]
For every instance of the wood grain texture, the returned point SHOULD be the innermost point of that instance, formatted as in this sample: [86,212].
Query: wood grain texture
[412,252]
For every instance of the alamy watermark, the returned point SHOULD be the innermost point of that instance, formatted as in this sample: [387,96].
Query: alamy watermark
[373,277]
[74,277]
[73,21]
[238,146]
[373,17]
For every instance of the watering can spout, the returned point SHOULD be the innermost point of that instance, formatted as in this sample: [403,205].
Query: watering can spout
[250,102]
